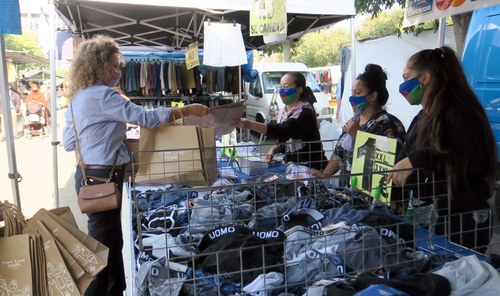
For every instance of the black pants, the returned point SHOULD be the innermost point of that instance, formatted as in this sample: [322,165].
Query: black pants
[106,228]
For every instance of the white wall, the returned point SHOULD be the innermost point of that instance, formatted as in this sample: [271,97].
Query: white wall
[391,53]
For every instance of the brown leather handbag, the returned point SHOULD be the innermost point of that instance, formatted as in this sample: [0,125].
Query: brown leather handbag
[99,197]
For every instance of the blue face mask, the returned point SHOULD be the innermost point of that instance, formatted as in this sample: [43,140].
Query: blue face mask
[358,102]
[288,95]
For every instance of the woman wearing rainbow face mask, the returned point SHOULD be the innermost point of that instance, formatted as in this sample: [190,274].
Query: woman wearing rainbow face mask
[369,96]
[296,124]
[451,140]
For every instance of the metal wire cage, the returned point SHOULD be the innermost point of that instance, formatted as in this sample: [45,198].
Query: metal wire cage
[273,228]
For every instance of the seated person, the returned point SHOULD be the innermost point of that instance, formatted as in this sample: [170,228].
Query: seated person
[296,124]
[368,97]
[36,96]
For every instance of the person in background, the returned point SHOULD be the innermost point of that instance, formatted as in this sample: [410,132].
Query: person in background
[100,118]
[15,108]
[36,96]
[451,141]
[368,98]
[296,124]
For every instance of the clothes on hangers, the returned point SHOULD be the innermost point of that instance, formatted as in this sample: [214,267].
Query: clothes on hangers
[158,78]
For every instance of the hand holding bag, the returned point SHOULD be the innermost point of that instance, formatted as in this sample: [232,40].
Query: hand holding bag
[98,197]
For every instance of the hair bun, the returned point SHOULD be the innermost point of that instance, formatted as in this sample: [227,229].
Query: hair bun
[373,69]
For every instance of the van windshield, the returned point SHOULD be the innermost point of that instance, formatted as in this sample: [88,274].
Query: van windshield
[271,80]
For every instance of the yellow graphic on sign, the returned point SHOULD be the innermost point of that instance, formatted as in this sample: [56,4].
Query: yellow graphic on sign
[192,59]
[373,155]
[268,17]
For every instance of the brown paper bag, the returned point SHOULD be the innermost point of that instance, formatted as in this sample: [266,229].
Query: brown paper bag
[16,272]
[81,278]
[59,279]
[133,148]
[66,214]
[40,271]
[88,252]
[177,154]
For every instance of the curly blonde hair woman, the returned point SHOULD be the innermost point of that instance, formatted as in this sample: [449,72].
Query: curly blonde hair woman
[99,115]
[88,67]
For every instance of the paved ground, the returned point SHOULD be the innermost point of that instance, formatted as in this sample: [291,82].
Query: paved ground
[34,163]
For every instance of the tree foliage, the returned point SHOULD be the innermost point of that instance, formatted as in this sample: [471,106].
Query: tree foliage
[320,48]
[376,6]
[27,42]
[386,23]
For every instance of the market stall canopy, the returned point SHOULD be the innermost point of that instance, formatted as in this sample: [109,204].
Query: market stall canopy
[20,57]
[172,25]
[41,75]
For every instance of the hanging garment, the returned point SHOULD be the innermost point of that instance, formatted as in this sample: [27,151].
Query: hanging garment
[144,79]
[220,79]
[197,81]
[187,77]
[172,75]
[162,80]
[165,78]
[223,45]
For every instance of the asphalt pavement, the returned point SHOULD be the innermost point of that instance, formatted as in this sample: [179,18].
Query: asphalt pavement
[35,164]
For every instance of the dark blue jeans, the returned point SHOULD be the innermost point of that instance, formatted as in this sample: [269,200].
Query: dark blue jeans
[106,228]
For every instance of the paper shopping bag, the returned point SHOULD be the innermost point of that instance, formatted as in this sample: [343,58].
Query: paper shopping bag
[66,214]
[177,154]
[89,253]
[80,277]
[60,280]
[16,274]
[209,154]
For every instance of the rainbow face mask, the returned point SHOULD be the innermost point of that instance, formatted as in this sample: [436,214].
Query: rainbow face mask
[358,103]
[288,95]
[412,90]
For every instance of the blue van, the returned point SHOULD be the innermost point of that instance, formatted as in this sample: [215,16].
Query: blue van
[481,62]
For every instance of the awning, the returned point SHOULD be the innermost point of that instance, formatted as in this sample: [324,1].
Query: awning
[174,24]
[42,75]
[19,57]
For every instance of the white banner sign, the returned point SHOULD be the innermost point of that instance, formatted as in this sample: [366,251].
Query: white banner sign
[419,11]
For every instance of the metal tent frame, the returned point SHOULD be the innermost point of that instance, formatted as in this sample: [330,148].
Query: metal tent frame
[173,24]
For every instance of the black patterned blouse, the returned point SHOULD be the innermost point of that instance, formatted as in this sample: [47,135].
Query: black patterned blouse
[382,123]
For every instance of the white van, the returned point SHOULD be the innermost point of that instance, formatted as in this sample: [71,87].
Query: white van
[259,93]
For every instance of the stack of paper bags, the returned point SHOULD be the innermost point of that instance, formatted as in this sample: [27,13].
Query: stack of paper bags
[21,266]
[22,260]
[59,258]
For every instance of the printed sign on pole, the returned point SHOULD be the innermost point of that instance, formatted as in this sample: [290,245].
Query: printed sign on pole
[192,59]
[268,17]
[419,11]
[373,155]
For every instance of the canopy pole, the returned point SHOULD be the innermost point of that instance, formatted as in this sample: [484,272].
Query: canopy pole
[13,175]
[353,50]
[442,31]
[53,102]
